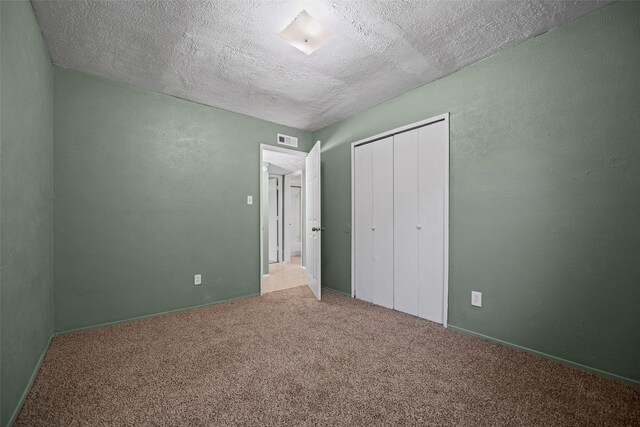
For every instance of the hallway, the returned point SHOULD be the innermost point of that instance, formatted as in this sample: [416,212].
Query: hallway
[284,276]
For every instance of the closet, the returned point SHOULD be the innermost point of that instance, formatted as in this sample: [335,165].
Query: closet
[400,219]
[374,221]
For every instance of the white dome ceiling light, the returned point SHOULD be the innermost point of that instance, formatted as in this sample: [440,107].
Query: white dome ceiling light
[305,33]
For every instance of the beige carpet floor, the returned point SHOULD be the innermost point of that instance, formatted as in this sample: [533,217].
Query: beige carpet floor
[285,359]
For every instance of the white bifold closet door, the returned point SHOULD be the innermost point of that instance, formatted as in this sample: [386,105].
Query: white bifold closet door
[419,220]
[373,204]
[405,206]
[431,217]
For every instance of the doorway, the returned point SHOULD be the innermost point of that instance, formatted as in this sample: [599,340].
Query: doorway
[289,236]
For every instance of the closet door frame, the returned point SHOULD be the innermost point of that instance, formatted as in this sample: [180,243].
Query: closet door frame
[436,119]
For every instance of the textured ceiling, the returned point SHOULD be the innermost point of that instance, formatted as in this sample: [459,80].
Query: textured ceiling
[286,163]
[227,53]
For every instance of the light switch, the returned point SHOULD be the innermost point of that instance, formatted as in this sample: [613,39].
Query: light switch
[476,299]
[249,200]
[197,279]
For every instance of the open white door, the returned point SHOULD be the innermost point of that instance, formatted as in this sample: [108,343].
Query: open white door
[313,227]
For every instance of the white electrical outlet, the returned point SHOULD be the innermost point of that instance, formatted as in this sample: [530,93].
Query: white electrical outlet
[249,200]
[197,279]
[476,299]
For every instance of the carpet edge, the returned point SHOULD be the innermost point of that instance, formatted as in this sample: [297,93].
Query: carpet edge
[146,316]
[337,291]
[576,365]
[27,388]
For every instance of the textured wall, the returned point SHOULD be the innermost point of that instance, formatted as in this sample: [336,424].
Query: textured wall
[26,162]
[149,190]
[545,190]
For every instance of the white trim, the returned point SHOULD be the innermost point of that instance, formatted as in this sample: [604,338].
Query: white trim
[445,298]
[269,147]
[401,129]
[281,150]
[353,222]
[442,117]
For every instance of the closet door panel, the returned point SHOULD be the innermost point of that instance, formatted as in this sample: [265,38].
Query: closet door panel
[363,206]
[383,222]
[431,185]
[405,189]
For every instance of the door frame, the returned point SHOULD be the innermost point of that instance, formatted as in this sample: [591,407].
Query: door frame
[442,117]
[268,147]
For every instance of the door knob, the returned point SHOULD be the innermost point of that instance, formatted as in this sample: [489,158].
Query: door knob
[419,227]
[373,227]
[317,228]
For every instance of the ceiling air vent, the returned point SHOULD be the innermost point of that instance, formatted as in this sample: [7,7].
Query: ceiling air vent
[287,140]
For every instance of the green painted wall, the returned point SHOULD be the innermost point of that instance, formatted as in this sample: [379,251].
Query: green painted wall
[26,164]
[150,190]
[545,190]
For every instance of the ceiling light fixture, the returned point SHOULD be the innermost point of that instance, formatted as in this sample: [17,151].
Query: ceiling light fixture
[305,33]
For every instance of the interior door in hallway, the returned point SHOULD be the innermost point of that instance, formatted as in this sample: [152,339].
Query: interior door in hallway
[273,220]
